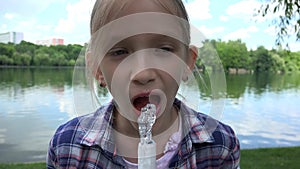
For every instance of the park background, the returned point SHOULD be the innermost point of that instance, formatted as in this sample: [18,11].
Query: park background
[262,75]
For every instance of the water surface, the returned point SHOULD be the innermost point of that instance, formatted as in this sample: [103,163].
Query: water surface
[262,109]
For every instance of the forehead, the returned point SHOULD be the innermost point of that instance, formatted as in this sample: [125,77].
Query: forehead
[138,6]
[150,40]
[121,19]
[140,23]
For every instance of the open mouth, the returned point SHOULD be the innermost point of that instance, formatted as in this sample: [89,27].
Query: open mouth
[142,100]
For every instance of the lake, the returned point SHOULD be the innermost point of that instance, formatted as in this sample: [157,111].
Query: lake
[263,109]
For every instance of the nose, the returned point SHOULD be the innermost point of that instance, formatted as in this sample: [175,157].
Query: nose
[143,72]
[144,77]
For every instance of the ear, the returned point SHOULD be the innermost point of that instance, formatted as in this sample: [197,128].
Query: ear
[191,60]
[97,73]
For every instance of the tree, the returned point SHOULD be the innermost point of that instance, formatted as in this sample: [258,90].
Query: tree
[262,60]
[4,60]
[22,59]
[286,19]
[208,57]
[28,48]
[278,64]
[42,57]
[234,54]
[58,59]
[292,62]
[74,51]
[26,54]
[7,49]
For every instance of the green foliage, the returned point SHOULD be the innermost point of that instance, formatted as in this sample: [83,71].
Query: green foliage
[285,14]
[22,59]
[294,58]
[29,54]
[5,60]
[26,47]
[235,55]
[7,49]
[213,56]
[208,57]
[262,60]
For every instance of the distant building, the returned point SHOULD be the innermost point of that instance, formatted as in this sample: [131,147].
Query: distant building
[13,37]
[48,42]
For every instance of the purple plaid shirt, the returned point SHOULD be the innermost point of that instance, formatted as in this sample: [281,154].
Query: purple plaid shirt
[87,142]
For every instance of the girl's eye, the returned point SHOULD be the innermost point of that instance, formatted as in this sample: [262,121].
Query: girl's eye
[167,49]
[118,52]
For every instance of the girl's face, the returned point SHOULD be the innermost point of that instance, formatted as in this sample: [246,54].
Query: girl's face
[145,68]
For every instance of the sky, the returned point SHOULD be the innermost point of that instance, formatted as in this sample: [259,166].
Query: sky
[69,19]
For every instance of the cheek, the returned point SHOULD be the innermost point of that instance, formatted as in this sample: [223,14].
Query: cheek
[115,77]
[107,72]
[110,69]
[171,83]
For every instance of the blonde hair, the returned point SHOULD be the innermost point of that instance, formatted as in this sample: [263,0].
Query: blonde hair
[102,12]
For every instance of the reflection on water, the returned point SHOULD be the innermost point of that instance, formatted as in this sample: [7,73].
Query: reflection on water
[262,109]
[33,103]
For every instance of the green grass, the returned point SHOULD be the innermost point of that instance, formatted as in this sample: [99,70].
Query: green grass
[265,158]
[23,166]
[273,158]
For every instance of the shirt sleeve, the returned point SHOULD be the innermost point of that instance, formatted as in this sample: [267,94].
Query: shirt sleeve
[233,158]
[51,161]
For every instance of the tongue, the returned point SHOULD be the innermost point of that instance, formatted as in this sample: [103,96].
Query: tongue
[141,102]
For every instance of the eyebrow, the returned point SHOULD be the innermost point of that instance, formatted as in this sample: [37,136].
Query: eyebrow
[151,36]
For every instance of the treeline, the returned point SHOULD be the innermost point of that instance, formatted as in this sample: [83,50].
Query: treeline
[234,55]
[29,54]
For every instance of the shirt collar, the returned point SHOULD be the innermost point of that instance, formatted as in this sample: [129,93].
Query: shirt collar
[195,128]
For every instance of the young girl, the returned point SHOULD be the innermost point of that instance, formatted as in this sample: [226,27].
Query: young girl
[140,50]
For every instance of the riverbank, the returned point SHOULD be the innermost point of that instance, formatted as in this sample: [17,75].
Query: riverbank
[264,158]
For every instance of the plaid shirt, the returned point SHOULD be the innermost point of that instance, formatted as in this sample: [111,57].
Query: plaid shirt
[87,142]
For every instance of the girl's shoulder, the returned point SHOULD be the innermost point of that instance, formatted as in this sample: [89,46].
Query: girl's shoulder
[79,126]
